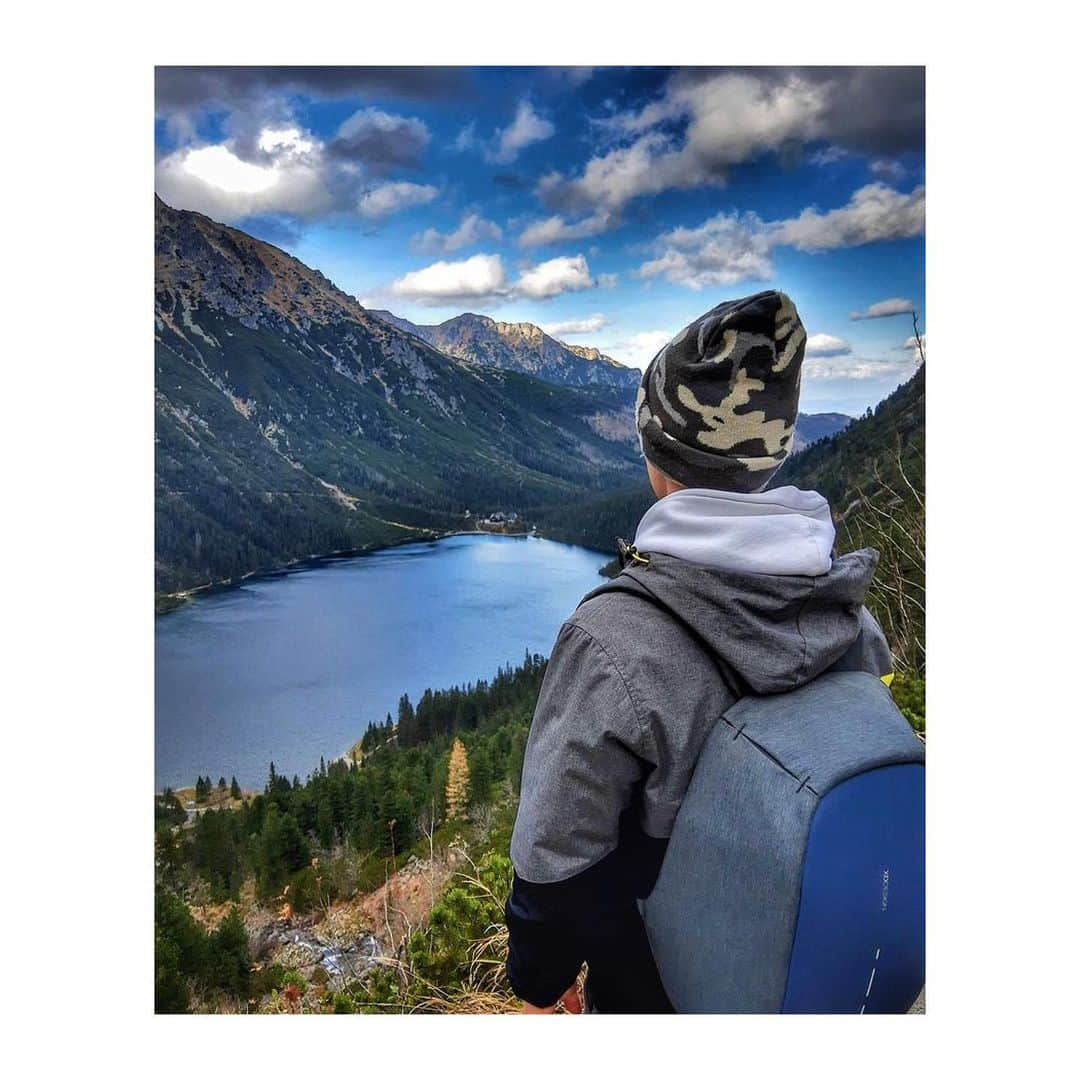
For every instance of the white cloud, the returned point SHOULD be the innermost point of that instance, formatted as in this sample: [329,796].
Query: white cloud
[219,167]
[473,230]
[706,122]
[643,168]
[589,325]
[639,349]
[875,212]
[828,155]
[280,169]
[290,138]
[734,117]
[574,76]
[526,128]
[730,118]
[466,138]
[554,277]
[826,345]
[607,281]
[386,199]
[556,228]
[887,169]
[729,248]
[853,368]
[726,249]
[884,308]
[481,277]
[287,176]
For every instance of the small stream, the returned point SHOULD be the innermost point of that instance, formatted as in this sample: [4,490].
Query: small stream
[304,949]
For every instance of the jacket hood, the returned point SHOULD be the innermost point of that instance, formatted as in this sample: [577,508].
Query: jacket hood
[768,633]
[782,531]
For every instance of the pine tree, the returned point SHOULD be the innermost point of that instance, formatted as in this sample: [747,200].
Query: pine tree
[406,722]
[221,783]
[282,851]
[481,776]
[457,782]
[234,790]
[230,958]
[324,824]
[424,710]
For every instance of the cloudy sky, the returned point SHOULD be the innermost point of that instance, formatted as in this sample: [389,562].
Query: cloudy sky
[610,206]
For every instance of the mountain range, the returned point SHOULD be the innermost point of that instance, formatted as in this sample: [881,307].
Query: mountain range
[813,427]
[521,347]
[293,422]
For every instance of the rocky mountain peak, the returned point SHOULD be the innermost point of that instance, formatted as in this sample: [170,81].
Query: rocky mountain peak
[198,261]
[520,346]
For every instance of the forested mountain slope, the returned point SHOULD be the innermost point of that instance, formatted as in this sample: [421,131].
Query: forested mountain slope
[290,421]
[872,449]
[873,474]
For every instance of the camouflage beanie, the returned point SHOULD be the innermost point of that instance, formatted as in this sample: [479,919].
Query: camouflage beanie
[716,407]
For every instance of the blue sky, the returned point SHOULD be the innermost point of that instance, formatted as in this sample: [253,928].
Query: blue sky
[609,206]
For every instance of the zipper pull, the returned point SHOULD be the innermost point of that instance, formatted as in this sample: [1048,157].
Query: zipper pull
[629,555]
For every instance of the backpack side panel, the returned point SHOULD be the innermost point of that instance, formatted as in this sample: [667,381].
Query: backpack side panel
[859,942]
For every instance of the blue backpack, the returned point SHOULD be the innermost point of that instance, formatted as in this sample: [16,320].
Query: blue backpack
[794,880]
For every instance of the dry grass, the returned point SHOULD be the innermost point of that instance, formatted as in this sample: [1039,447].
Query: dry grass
[892,519]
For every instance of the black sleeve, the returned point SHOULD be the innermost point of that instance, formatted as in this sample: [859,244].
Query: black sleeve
[553,927]
[545,953]
[556,927]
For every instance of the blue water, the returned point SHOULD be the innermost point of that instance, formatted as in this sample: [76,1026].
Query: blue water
[292,667]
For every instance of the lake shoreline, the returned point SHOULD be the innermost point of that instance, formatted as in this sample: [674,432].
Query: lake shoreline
[297,665]
[168,602]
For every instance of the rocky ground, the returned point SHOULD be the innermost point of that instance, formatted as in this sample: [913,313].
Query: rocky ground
[334,947]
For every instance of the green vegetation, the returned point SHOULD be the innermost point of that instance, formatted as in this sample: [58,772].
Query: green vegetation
[873,474]
[909,693]
[455,962]
[168,809]
[342,830]
[188,958]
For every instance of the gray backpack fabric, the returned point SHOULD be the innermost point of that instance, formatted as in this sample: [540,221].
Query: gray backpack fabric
[794,877]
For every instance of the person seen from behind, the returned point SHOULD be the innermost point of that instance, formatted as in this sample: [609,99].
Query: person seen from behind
[734,590]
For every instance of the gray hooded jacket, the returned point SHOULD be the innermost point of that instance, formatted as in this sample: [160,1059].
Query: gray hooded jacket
[639,675]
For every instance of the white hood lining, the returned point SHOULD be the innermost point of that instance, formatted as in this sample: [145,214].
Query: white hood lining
[784,531]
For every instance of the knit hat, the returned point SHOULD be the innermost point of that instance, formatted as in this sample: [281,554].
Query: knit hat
[717,405]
